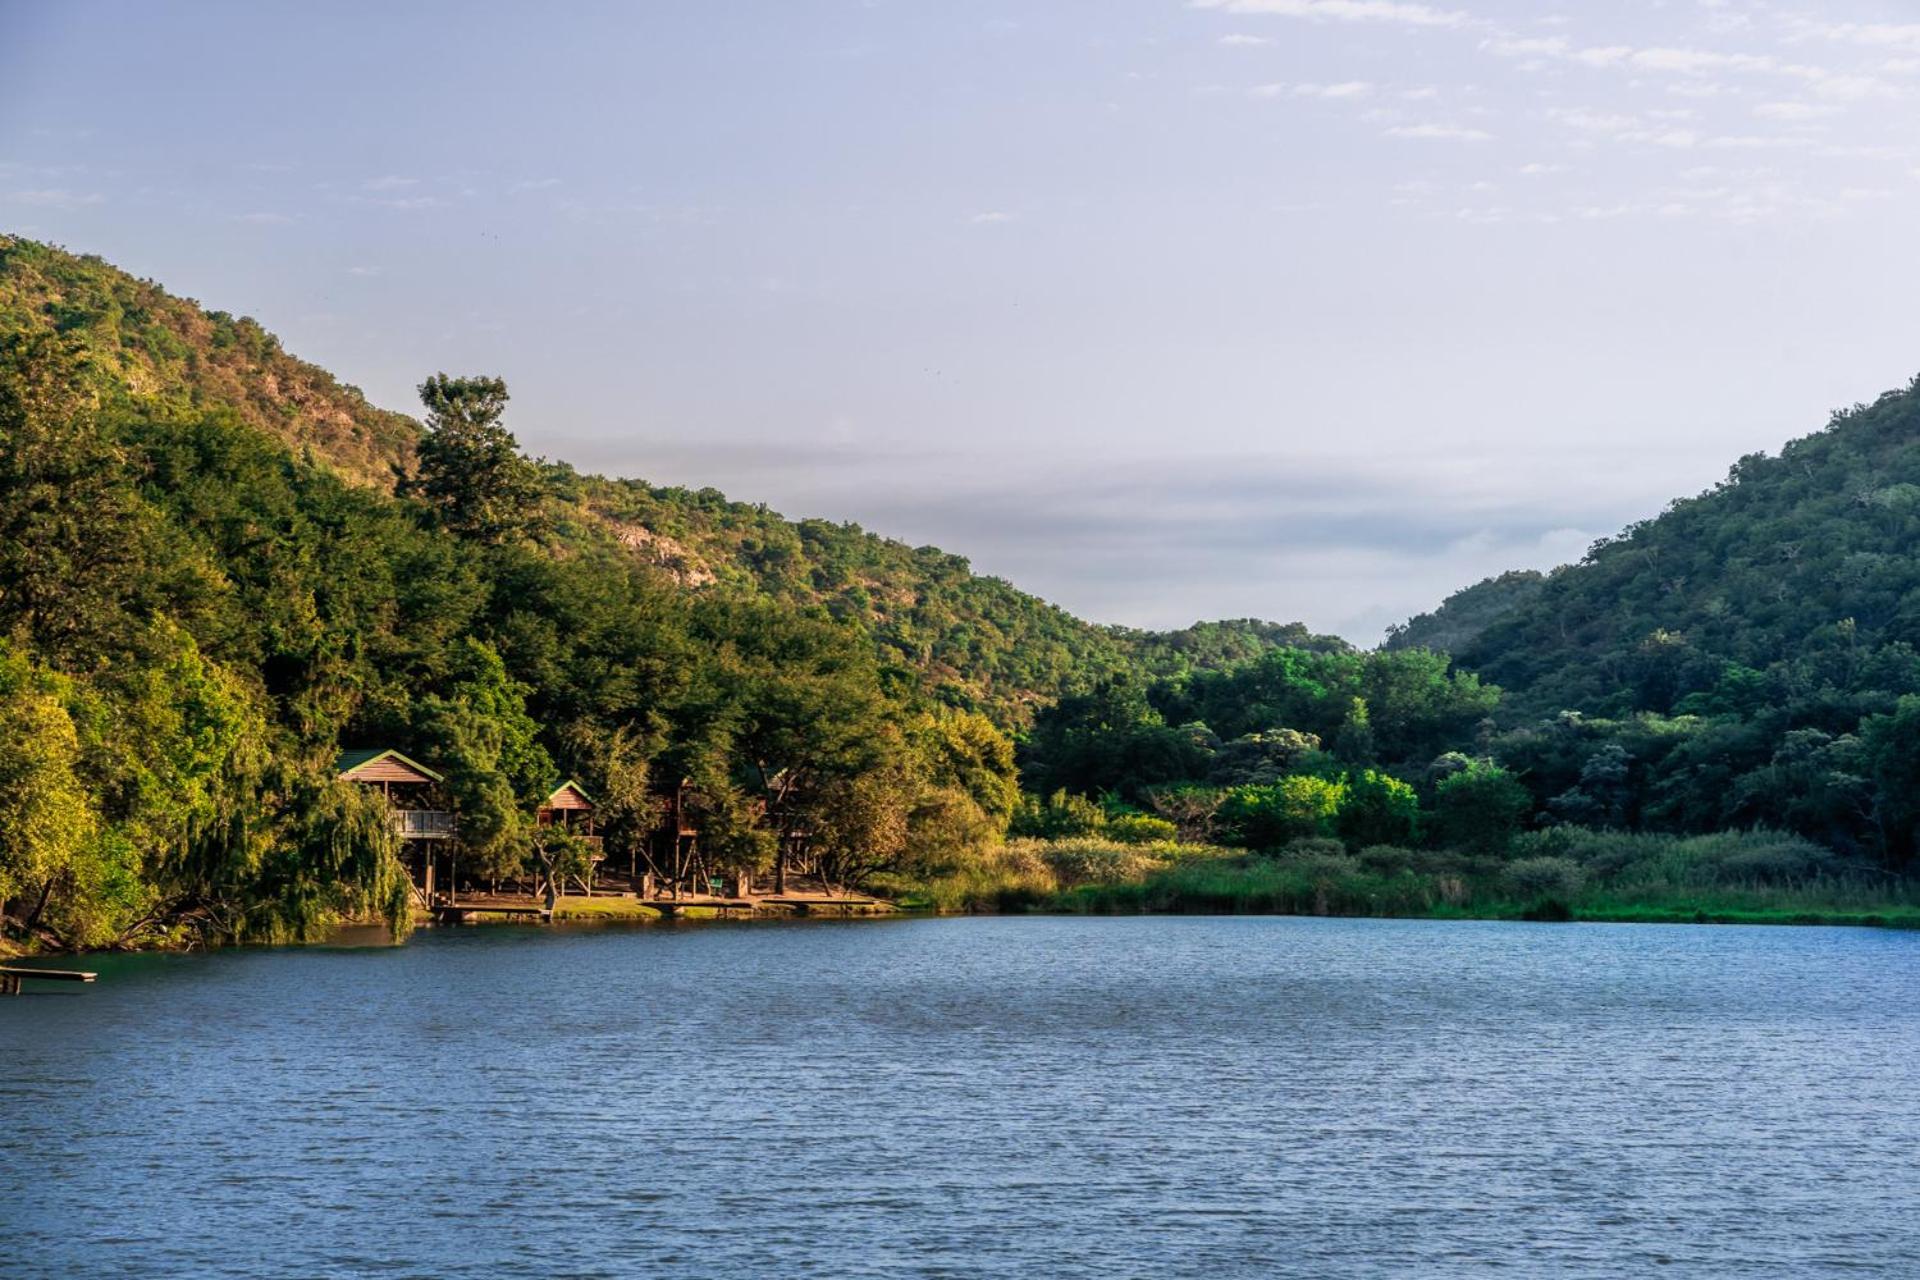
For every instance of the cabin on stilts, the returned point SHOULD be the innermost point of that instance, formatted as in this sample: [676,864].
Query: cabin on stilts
[569,808]
[411,791]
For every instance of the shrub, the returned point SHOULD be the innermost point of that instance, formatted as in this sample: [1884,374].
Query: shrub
[1378,809]
[1093,861]
[1545,879]
[1059,816]
[1266,817]
[1386,859]
[1481,807]
[1138,828]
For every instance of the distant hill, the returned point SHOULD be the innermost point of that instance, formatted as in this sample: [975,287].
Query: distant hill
[1464,615]
[972,641]
[1796,575]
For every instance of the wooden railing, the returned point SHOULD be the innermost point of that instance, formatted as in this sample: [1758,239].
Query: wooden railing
[422,824]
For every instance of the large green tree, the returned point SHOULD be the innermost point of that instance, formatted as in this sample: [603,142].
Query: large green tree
[471,467]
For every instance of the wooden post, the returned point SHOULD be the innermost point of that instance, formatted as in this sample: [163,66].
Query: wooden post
[9,985]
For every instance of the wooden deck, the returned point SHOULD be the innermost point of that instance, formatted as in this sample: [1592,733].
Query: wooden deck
[13,975]
[460,912]
[669,906]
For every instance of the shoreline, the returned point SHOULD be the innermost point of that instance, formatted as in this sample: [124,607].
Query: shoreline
[617,911]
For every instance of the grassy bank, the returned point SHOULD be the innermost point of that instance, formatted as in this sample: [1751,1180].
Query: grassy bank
[1568,874]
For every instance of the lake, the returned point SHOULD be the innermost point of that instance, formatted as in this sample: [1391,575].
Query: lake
[1028,1097]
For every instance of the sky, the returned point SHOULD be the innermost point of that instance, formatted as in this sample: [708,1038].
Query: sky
[1164,310]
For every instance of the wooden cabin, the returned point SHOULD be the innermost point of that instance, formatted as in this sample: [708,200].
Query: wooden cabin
[568,806]
[410,790]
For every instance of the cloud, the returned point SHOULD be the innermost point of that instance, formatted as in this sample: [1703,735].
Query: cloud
[1795,112]
[1382,11]
[992,217]
[1880,35]
[1348,545]
[392,182]
[363,271]
[1440,132]
[1238,40]
[1345,89]
[55,198]
[264,219]
[533,184]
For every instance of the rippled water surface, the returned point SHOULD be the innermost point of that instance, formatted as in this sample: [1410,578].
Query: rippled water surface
[1017,1097]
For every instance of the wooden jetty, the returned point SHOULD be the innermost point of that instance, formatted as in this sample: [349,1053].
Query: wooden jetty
[674,906]
[462,912]
[12,976]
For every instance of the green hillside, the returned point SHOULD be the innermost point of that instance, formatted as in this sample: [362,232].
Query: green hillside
[1740,659]
[220,568]
[973,641]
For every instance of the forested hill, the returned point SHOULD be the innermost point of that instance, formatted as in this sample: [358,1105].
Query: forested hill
[1793,581]
[971,641]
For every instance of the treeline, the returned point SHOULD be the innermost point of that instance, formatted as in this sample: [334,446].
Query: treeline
[194,621]
[1401,747]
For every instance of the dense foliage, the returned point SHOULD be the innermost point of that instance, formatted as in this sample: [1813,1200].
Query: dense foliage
[193,622]
[218,567]
[1748,660]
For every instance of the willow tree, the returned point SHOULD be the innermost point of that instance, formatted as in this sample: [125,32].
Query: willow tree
[46,818]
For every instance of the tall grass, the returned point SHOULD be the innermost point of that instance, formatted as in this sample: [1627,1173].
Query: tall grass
[1562,874]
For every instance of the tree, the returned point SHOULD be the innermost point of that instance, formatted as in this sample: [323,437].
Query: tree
[480,732]
[72,530]
[1893,754]
[1378,809]
[46,818]
[1482,807]
[1293,808]
[471,467]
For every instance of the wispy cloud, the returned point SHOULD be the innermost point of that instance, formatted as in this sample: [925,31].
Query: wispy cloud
[1439,132]
[55,197]
[1241,40]
[391,182]
[1382,11]
[1344,89]
[992,217]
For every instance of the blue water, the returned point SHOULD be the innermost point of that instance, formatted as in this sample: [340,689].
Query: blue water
[1004,1097]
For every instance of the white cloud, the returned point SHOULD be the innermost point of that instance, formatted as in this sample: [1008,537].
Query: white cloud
[1241,40]
[363,271]
[1538,168]
[1384,11]
[1526,46]
[1345,89]
[264,219]
[1442,132]
[1794,112]
[993,217]
[1882,35]
[55,197]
